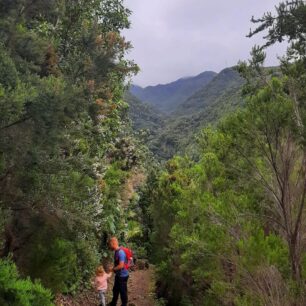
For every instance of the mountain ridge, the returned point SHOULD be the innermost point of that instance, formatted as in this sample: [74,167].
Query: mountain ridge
[166,97]
[173,132]
[226,80]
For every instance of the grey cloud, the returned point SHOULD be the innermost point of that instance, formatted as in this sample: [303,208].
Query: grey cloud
[175,38]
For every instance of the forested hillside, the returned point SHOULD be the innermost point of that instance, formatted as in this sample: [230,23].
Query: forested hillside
[177,131]
[69,165]
[204,177]
[228,225]
[143,116]
[227,83]
[167,97]
[219,97]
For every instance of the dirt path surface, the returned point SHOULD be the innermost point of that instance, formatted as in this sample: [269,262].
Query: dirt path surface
[140,287]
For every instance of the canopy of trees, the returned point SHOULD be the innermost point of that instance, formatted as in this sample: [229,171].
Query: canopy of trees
[224,224]
[229,225]
[66,149]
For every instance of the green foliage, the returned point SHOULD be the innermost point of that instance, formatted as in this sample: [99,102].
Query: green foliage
[62,264]
[174,133]
[215,230]
[224,225]
[288,24]
[228,221]
[8,72]
[260,249]
[66,147]
[21,292]
[143,116]
[251,243]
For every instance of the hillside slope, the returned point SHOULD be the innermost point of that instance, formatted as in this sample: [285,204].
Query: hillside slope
[222,85]
[174,133]
[143,115]
[167,97]
[218,98]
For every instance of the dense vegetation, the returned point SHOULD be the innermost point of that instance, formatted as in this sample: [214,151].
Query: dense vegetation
[144,117]
[223,220]
[205,103]
[68,161]
[206,106]
[229,225]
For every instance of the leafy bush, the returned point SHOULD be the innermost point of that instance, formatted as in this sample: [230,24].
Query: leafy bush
[15,291]
[65,263]
[8,72]
[66,146]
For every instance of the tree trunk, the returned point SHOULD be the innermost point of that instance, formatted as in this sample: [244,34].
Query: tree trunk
[295,260]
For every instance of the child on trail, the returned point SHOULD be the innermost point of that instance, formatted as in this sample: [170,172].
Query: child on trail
[100,284]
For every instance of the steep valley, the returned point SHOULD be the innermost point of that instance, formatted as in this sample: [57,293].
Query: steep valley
[171,133]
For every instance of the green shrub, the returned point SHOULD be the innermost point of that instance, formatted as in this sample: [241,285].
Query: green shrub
[15,291]
[55,265]
[63,266]
[8,72]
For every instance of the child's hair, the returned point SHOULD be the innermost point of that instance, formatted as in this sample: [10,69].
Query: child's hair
[100,271]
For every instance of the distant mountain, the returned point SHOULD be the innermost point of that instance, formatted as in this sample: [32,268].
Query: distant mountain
[175,132]
[218,98]
[137,91]
[167,97]
[223,85]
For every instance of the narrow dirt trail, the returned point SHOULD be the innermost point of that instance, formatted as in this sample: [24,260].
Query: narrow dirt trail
[140,288]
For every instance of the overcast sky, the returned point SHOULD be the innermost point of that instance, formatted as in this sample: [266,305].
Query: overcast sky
[179,38]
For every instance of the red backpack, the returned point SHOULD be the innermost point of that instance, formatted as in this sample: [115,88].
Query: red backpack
[129,257]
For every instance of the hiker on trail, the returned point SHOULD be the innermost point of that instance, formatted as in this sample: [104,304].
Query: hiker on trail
[121,273]
[100,284]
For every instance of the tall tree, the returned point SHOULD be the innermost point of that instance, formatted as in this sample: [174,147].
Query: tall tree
[62,121]
[288,24]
